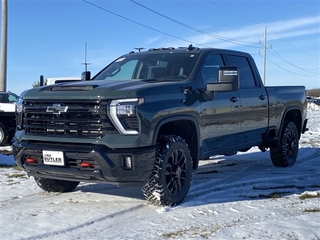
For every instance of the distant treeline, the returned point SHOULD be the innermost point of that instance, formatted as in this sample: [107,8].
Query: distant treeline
[315,92]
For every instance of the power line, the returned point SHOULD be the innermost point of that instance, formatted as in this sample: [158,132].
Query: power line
[292,44]
[289,70]
[288,62]
[227,10]
[250,20]
[278,55]
[281,58]
[195,29]
[237,42]
[143,25]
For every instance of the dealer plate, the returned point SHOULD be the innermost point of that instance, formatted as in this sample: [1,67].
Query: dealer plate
[53,158]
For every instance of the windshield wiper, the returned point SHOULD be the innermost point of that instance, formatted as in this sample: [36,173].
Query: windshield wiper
[150,80]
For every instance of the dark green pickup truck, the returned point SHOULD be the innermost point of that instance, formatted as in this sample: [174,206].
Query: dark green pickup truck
[149,117]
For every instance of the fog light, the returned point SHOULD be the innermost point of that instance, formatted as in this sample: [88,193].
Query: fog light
[127,162]
[87,165]
[31,160]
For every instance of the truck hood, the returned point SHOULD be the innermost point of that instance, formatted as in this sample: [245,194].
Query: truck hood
[98,89]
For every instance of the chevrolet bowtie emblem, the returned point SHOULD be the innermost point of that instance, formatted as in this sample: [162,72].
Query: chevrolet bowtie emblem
[57,109]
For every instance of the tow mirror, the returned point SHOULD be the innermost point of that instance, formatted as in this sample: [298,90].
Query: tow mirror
[228,80]
[85,76]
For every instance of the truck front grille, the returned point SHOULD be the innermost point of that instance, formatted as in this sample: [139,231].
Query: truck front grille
[85,119]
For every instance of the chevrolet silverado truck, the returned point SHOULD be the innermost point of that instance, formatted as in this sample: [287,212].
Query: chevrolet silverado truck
[7,117]
[148,118]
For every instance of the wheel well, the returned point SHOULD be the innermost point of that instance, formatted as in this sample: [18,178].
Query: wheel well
[271,137]
[295,117]
[187,130]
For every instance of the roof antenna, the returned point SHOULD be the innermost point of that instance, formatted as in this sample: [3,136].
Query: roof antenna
[139,48]
[190,47]
[85,58]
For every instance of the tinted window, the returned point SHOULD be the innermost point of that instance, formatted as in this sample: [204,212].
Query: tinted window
[13,98]
[209,72]
[245,73]
[8,98]
[157,65]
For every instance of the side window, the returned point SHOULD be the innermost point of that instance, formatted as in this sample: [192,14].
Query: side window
[209,72]
[4,98]
[13,98]
[245,73]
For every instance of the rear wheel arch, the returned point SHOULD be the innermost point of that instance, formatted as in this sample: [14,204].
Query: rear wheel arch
[273,134]
[292,115]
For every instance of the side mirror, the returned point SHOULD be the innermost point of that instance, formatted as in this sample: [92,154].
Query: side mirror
[85,76]
[228,80]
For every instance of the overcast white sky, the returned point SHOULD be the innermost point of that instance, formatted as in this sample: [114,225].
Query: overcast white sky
[48,37]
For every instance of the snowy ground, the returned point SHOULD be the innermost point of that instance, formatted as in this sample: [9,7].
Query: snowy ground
[237,197]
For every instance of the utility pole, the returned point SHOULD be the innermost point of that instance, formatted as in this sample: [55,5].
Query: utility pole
[264,55]
[85,58]
[4,37]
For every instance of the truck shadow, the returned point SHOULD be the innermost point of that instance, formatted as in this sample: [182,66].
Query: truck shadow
[113,190]
[246,176]
[252,176]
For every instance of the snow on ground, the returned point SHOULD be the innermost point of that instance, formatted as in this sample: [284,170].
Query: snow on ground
[237,197]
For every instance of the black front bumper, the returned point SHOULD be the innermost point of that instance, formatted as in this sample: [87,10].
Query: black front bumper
[107,164]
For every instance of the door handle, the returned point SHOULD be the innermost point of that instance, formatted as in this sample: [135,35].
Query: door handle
[262,97]
[234,99]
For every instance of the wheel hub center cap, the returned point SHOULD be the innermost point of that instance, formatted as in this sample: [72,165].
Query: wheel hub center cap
[292,145]
[178,172]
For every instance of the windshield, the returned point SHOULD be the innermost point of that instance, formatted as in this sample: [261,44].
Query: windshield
[168,66]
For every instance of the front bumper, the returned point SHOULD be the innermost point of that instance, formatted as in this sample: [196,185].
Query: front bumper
[106,164]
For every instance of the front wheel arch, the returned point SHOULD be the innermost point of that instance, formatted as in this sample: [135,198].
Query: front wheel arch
[184,126]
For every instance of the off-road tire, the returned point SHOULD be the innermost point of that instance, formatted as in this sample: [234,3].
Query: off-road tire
[52,185]
[170,180]
[286,152]
[4,135]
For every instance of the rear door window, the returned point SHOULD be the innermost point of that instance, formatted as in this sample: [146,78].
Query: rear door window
[245,72]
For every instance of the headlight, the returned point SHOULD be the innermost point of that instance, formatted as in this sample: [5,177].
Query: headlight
[19,113]
[121,108]
[19,105]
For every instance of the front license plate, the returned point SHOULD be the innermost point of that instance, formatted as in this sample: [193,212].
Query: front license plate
[53,158]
